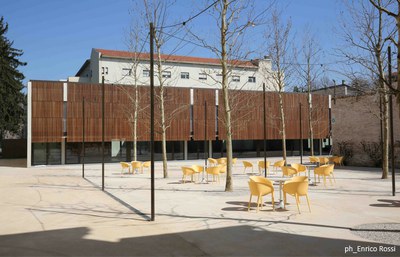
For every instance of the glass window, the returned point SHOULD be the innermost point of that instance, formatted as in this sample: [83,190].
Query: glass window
[166,74]
[202,76]
[252,79]
[184,75]
[126,72]
[146,73]
[235,78]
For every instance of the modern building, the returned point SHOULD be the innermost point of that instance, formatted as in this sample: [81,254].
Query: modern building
[178,71]
[65,117]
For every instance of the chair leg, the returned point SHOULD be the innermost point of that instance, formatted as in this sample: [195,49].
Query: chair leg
[183,179]
[273,202]
[284,200]
[333,176]
[261,203]
[248,209]
[324,181]
[298,203]
[258,203]
[308,202]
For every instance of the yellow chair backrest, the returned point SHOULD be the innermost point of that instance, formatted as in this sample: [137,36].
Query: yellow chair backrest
[279,163]
[299,167]
[222,160]
[213,170]
[257,188]
[222,168]
[136,164]
[296,187]
[146,164]
[263,180]
[288,171]
[324,169]
[323,160]
[247,164]
[124,165]
[212,161]
[234,160]
[197,168]
[314,159]
[298,179]
[262,165]
[187,171]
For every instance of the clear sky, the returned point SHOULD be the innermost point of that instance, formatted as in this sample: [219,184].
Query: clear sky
[57,36]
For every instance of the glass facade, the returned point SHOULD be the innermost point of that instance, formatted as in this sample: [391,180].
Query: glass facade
[117,151]
[46,153]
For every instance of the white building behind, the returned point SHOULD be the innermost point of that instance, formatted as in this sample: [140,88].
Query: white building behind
[178,71]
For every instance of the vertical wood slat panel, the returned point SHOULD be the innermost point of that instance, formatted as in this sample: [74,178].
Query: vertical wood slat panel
[201,96]
[47,111]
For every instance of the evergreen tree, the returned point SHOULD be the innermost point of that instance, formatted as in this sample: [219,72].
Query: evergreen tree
[12,99]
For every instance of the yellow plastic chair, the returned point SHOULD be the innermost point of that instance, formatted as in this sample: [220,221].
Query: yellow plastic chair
[222,168]
[314,159]
[146,165]
[198,169]
[278,164]
[288,171]
[337,160]
[323,160]
[222,160]
[124,166]
[136,166]
[259,187]
[246,165]
[299,167]
[324,171]
[296,187]
[187,171]
[261,166]
[214,172]
[234,161]
[212,162]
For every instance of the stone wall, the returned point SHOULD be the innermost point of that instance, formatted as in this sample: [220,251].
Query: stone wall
[356,130]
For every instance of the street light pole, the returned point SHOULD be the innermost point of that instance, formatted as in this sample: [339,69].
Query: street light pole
[152,120]
[391,123]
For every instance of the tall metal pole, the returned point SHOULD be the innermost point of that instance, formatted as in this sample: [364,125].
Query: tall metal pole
[83,137]
[265,132]
[152,119]
[391,123]
[102,132]
[205,135]
[301,135]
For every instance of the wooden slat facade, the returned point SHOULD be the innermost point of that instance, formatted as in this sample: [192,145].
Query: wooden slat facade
[247,113]
[47,111]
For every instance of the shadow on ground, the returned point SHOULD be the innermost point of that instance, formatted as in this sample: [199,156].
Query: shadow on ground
[231,241]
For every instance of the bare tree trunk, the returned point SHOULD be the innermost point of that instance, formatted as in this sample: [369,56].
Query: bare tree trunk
[135,120]
[310,124]
[225,95]
[163,131]
[283,126]
[385,140]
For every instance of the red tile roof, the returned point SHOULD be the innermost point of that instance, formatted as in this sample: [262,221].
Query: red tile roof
[174,58]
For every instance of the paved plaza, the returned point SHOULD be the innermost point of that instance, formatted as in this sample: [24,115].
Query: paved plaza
[53,211]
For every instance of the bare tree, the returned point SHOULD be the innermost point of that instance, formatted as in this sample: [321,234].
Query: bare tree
[233,19]
[367,39]
[279,49]
[388,7]
[309,72]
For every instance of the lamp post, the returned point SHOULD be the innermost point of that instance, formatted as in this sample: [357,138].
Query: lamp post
[152,120]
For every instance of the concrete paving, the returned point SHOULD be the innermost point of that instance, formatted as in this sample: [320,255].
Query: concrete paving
[53,211]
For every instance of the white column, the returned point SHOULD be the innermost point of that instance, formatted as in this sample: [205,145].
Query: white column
[185,150]
[29,129]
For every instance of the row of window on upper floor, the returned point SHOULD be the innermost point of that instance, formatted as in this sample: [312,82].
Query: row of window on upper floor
[186,75]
